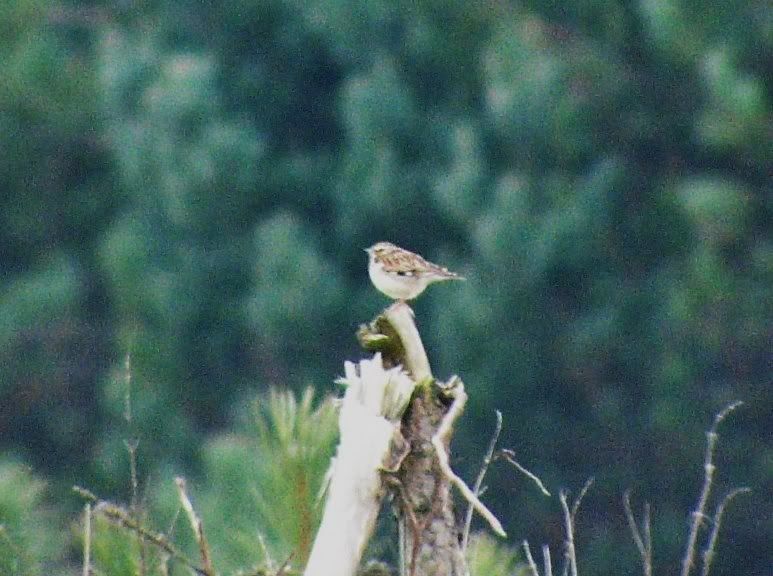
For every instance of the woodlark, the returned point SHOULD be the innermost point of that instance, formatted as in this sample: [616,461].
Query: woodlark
[403,275]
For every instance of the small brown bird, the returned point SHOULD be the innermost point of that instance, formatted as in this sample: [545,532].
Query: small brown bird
[403,275]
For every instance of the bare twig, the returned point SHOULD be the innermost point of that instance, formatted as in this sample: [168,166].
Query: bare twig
[165,557]
[642,539]
[699,514]
[647,527]
[546,560]
[456,388]
[569,518]
[131,448]
[285,567]
[127,399]
[85,493]
[412,523]
[476,489]
[123,518]
[569,552]
[134,506]
[163,563]
[267,559]
[196,525]
[529,559]
[580,496]
[509,455]
[708,552]
[87,539]
[173,523]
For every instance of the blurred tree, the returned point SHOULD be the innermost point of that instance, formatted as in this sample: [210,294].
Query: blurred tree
[54,329]
[192,185]
[31,540]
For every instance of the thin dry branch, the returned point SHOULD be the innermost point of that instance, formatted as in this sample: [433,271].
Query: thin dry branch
[509,456]
[131,448]
[708,552]
[134,506]
[580,496]
[85,493]
[699,514]
[643,538]
[285,567]
[569,520]
[196,525]
[476,489]
[87,539]
[456,388]
[164,559]
[267,559]
[127,399]
[546,560]
[569,552]
[125,519]
[121,517]
[530,559]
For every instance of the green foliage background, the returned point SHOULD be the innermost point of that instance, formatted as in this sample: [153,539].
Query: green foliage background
[192,184]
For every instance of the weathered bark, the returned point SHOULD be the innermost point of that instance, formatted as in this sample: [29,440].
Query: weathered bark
[428,530]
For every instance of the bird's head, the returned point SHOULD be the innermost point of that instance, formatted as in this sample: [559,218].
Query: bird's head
[380,247]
